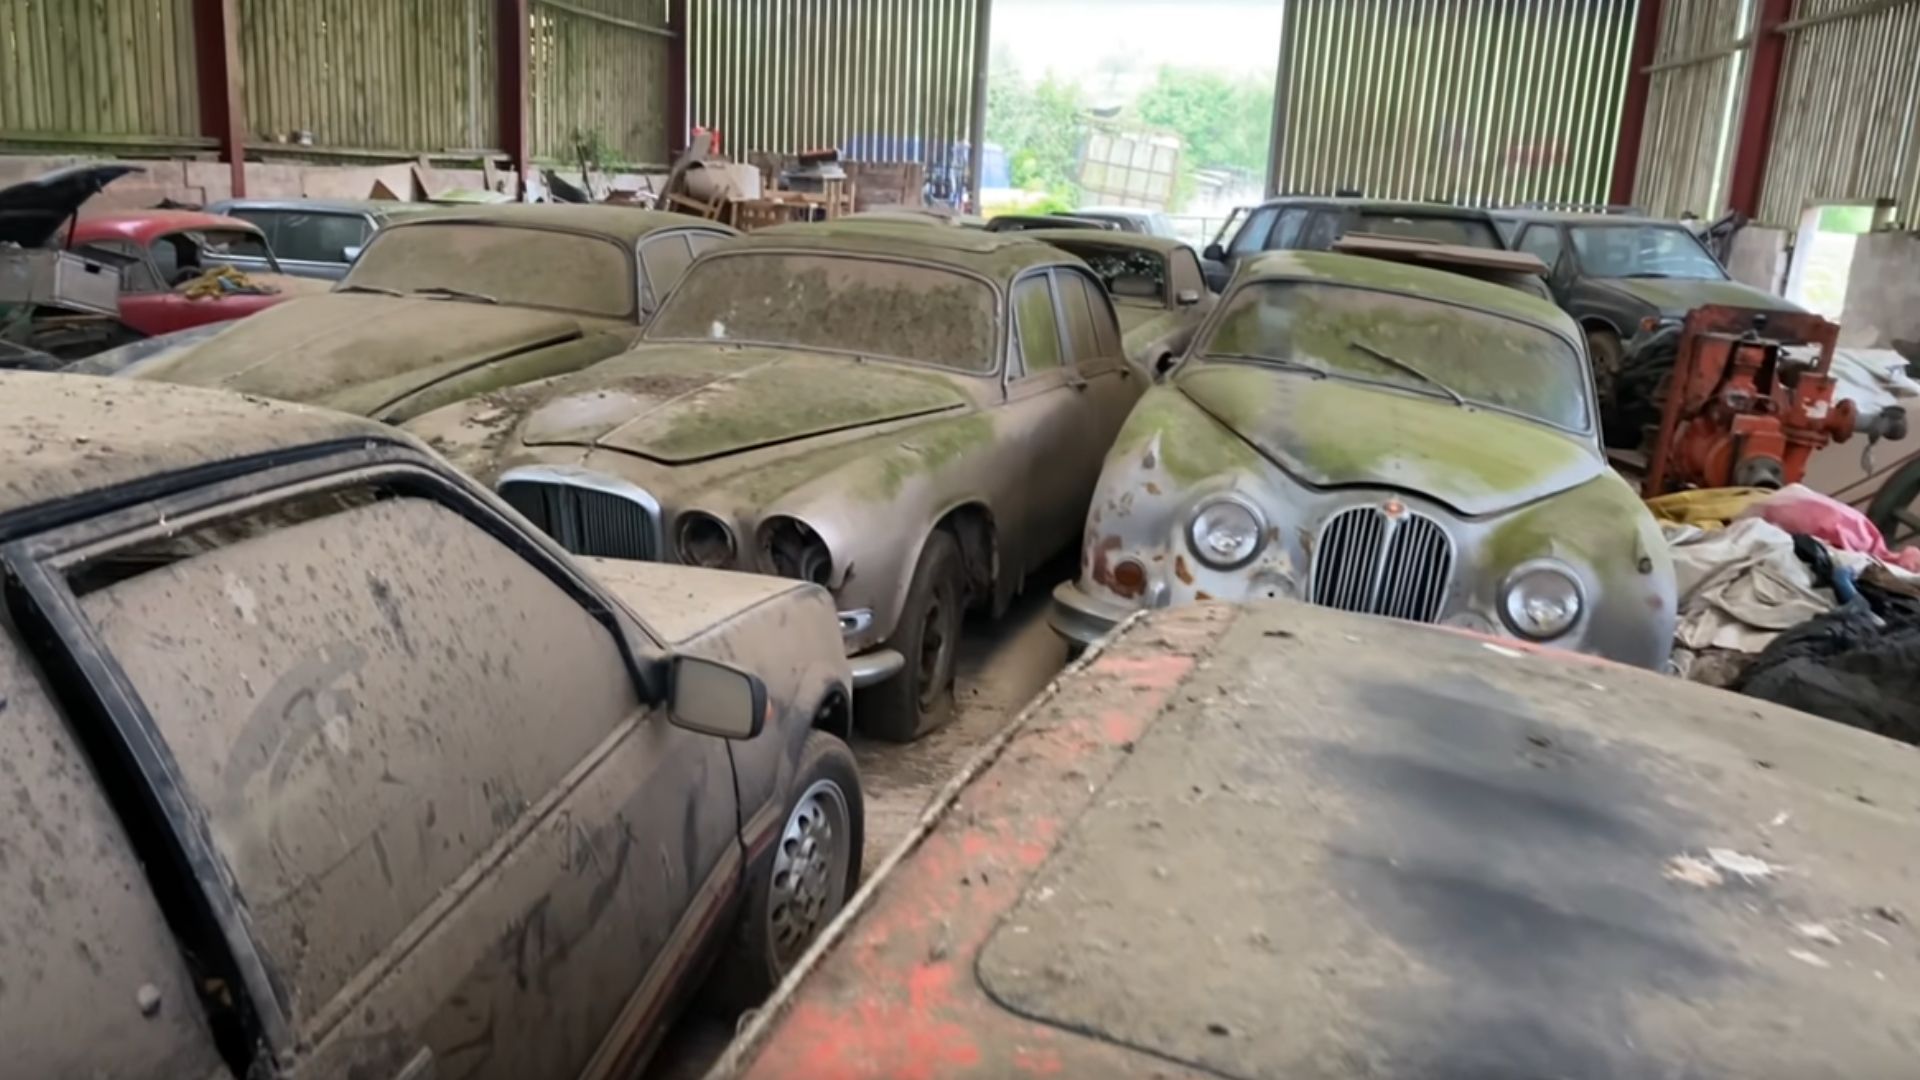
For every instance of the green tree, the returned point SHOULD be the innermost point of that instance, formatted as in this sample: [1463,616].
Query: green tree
[1224,121]
[1040,126]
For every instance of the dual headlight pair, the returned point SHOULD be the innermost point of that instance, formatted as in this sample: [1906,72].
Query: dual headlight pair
[1541,600]
[789,547]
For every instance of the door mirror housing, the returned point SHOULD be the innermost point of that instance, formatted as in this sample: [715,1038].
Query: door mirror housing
[1215,252]
[1187,297]
[714,699]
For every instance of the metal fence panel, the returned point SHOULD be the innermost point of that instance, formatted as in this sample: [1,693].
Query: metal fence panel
[1698,74]
[1479,101]
[599,71]
[1847,121]
[884,80]
[397,75]
[107,71]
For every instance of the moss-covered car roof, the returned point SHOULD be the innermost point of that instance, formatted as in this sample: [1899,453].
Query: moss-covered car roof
[997,256]
[1159,245]
[1441,285]
[63,435]
[628,224]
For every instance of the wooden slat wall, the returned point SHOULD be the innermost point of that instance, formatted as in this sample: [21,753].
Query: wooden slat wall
[600,66]
[118,69]
[386,75]
[1700,66]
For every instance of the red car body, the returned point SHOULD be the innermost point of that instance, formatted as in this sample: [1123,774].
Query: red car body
[155,249]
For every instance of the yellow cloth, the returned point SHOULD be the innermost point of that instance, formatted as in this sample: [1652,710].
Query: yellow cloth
[1708,508]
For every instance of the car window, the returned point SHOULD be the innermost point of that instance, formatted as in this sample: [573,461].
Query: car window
[82,926]
[1186,273]
[1080,300]
[321,238]
[267,221]
[1646,251]
[703,242]
[1438,228]
[1343,330]
[135,275]
[1323,231]
[851,304]
[665,258]
[1252,236]
[1542,242]
[217,244]
[361,703]
[1286,232]
[1039,332]
[543,268]
[1130,275]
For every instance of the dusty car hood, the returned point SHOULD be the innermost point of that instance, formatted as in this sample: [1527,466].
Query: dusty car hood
[1674,297]
[678,404]
[1330,434]
[313,348]
[682,602]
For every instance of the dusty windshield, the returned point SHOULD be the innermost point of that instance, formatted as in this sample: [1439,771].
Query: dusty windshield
[500,264]
[1422,345]
[1643,251]
[1131,276]
[836,303]
[1467,232]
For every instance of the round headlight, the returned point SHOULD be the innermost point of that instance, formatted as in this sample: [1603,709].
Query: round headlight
[704,540]
[1542,600]
[791,549]
[1225,533]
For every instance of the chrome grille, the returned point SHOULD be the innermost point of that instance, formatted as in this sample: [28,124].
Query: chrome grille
[587,521]
[1369,561]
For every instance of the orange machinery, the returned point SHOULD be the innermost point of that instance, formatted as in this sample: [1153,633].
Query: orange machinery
[1740,411]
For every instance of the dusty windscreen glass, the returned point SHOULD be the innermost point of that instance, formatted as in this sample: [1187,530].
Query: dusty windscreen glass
[525,267]
[1483,357]
[838,303]
[1440,229]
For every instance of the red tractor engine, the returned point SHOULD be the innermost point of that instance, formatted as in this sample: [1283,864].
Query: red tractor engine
[1740,411]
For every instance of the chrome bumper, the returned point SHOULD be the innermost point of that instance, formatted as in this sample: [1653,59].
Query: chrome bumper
[875,667]
[1080,618]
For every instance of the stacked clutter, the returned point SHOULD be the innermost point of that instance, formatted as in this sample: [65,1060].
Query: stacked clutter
[1793,597]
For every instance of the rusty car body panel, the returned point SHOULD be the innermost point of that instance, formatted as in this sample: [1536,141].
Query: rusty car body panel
[334,767]
[1158,288]
[1374,489]
[871,454]
[446,305]
[1281,840]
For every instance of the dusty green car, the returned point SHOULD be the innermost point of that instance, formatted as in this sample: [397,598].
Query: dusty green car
[1157,287]
[1384,439]
[442,307]
[912,417]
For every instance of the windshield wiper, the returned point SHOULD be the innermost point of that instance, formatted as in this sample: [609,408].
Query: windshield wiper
[455,294]
[1274,361]
[1650,274]
[1394,361]
[380,289]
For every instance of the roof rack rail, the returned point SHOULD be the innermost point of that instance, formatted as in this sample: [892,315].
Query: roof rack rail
[1582,208]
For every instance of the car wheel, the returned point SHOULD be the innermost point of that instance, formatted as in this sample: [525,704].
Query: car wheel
[803,883]
[920,698]
[1606,352]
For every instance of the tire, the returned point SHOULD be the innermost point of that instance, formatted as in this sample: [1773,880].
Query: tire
[776,926]
[920,699]
[1607,354]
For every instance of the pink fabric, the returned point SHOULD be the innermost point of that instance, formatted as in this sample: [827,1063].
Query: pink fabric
[1799,509]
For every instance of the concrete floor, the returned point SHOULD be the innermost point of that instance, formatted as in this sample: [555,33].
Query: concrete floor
[1002,665]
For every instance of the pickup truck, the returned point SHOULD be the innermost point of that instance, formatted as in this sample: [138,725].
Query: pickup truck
[1286,841]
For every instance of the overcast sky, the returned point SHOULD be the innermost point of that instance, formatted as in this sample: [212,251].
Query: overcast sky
[1084,38]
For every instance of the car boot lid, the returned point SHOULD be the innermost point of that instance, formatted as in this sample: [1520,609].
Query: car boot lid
[679,405]
[1332,433]
[32,212]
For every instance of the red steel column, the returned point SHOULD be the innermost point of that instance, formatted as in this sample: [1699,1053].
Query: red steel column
[223,100]
[678,135]
[510,37]
[1756,116]
[1633,115]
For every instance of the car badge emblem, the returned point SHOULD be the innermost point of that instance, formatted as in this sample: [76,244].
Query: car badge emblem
[1394,508]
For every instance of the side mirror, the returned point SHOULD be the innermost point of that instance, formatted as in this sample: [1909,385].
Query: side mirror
[714,699]
[1215,252]
[352,253]
[1187,297]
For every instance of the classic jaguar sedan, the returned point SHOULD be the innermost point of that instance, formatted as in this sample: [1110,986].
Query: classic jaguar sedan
[911,417]
[1156,283]
[441,307]
[319,762]
[1385,439]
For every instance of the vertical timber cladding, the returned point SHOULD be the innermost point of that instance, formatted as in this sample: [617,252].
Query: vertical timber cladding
[599,71]
[408,76]
[1698,72]
[118,69]
[1847,119]
[884,80]
[1474,101]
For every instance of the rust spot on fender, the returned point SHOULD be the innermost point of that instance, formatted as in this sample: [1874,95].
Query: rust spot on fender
[1180,570]
[1153,488]
[1102,570]
[1202,594]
